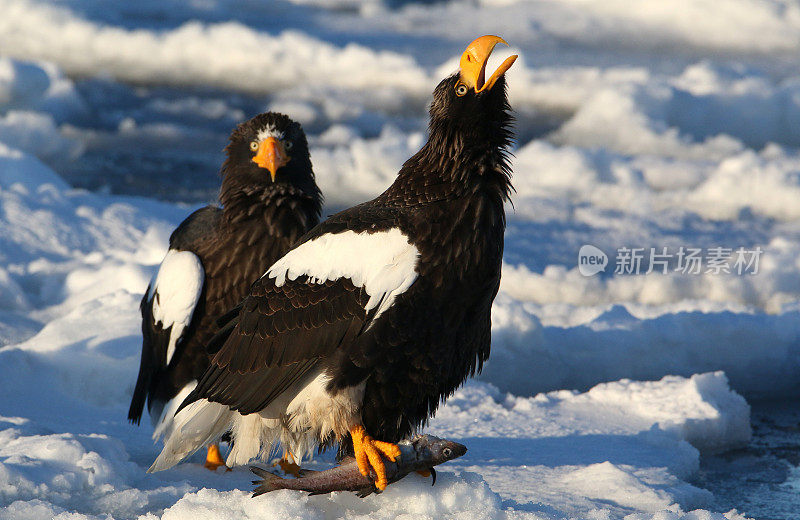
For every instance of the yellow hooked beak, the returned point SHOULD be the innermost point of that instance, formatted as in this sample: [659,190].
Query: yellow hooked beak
[473,63]
[271,155]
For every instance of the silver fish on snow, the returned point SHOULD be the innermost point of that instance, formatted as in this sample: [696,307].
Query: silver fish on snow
[421,453]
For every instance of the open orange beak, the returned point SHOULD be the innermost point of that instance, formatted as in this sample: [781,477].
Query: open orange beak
[271,155]
[473,63]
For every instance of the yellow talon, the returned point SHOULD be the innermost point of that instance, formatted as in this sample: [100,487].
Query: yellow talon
[368,453]
[424,472]
[214,458]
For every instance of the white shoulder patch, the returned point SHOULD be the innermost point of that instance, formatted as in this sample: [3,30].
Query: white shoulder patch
[383,263]
[175,291]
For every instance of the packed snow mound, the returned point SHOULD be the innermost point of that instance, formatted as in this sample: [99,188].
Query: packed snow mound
[349,167]
[61,247]
[463,496]
[701,410]
[625,341]
[34,100]
[619,447]
[42,219]
[34,131]
[37,87]
[761,183]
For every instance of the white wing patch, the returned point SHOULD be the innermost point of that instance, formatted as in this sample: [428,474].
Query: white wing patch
[383,263]
[175,292]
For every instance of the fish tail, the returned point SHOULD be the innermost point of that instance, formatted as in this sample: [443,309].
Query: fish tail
[269,481]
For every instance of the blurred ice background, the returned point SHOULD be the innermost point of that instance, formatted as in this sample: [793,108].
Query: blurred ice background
[640,123]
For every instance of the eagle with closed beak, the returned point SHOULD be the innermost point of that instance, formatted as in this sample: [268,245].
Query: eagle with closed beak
[269,200]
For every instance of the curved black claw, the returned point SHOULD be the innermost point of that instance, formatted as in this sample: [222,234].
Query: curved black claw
[433,476]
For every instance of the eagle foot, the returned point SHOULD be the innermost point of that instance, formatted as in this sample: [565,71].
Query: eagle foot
[369,454]
[214,458]
[288,465]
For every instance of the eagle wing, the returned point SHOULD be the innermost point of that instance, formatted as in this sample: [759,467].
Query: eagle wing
[314,303]
[169,303]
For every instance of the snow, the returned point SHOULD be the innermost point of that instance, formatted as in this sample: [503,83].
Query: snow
[72,450]
[198,52]
[640,124]
[620,448]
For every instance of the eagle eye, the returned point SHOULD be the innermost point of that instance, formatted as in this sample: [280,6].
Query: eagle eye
[254,145]
[288,144]
[461,89]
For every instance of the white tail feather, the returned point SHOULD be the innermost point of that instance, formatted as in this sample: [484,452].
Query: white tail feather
[254,436]
[166,420]
[303,416]
[200,423]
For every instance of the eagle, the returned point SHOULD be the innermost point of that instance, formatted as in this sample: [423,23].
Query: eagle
[269,200]
[381,312]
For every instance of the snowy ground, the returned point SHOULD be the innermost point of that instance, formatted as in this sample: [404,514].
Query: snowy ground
[641,124]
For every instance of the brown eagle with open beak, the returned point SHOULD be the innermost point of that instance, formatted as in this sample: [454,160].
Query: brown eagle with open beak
[382,311]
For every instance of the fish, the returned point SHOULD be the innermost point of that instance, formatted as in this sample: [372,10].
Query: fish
[421,453]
